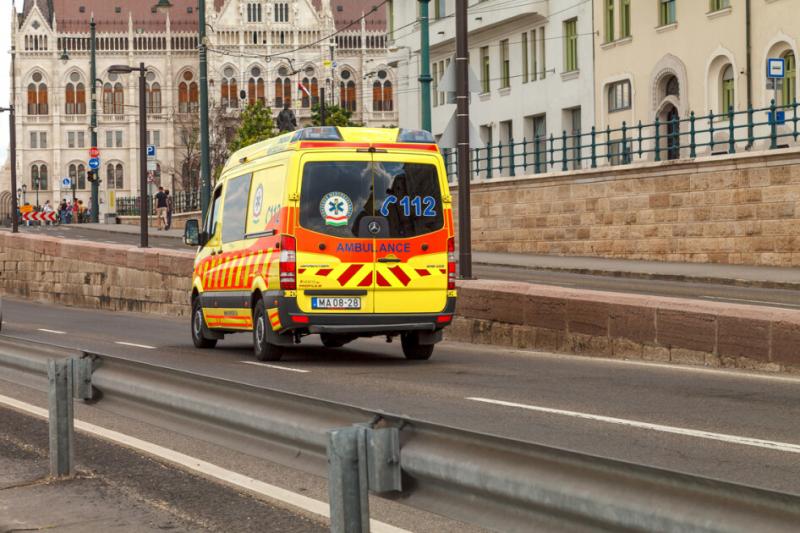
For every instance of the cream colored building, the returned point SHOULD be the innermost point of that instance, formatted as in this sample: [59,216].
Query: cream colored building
[666,58]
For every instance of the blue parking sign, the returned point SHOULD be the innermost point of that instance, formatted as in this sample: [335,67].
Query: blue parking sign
[151,150]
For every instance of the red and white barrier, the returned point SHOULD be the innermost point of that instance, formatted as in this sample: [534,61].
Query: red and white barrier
[36,216]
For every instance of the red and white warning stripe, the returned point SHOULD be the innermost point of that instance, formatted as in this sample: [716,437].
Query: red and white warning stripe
[37,216]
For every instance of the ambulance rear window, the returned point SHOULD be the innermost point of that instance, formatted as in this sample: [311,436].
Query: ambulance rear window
[336,196]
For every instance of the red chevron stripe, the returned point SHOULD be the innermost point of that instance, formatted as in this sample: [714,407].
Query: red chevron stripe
[347,275]
[367,281]
[381,281]
[422,272]
[400,275]
[324,271]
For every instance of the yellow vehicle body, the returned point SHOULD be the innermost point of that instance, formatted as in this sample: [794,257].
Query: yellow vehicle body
[342,232]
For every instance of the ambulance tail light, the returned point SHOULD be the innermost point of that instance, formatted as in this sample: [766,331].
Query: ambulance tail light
[451,264]
[288,263]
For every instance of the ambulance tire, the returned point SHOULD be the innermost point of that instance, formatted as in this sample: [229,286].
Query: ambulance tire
[199,328]
[413,350]
[264,351]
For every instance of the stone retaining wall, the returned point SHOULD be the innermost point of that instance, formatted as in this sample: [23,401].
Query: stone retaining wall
[521,315]
[743,209]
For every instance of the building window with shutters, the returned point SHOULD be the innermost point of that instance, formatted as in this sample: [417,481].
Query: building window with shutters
[485,70]
[347,91]
[609,20]
[114,176]
[188,94]
[37,95]
[39,177]
[77,173]
[229,89]
[619,96]
[505,65]
[153,94]
[571,45]
[666,12]
[255,87]
[624,19]
[75,96]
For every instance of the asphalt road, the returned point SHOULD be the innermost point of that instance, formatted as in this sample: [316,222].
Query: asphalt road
[785,298]
[727,425]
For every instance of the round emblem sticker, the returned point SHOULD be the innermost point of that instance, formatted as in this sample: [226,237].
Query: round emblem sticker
[258,202]
[336,208]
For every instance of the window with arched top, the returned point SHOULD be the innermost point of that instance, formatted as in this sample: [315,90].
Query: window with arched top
[153,94]
[229,89]
[39,177]
[75,96]
[77,173]
[672,87]
[114,176]
[727,87]
[789,91]
[255,87]
[37,95]
[310,98]
[382,97]
[113,96]
[188,94]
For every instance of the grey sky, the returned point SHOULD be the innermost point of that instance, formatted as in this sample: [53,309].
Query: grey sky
[5,78]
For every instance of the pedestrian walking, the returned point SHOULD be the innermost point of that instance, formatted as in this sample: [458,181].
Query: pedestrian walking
[75,211]
[169,208]
[161,208]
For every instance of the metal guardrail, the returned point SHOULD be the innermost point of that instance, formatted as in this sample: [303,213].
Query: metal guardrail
[182,202]
[677,138]
[499,483]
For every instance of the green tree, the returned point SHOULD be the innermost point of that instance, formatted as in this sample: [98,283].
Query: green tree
[256,125]
[334,116]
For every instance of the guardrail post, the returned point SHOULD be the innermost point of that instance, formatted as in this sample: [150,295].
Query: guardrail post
[59,375]
[711,131]
[692,135]
[594,147]
[347,481]
[564,150]
[657,136]
[640,139]
[488,160]
[773,125]
[625,143]
[731,131]
[511,157]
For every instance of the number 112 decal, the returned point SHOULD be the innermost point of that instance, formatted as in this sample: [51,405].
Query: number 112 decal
[423,207]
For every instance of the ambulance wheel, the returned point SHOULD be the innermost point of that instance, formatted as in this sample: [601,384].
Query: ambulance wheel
[413,350]
[199,328]
[264,351]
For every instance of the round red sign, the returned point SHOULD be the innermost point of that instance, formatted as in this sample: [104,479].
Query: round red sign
[94,152]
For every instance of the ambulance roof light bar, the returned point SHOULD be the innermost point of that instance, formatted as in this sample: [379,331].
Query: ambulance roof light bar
[318,133]
[406,135]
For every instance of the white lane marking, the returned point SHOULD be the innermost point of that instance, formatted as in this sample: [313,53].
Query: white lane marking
[278,367]
[135,345]
[55,331]
[734,439]
[771,304]
[198,465]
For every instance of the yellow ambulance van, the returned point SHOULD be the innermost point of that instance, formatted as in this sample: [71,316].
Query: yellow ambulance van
[340,232]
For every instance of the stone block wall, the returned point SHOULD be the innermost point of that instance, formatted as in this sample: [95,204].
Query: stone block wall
[96,275]
[743,209]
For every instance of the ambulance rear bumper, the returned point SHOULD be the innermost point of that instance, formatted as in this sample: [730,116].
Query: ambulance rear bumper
[372,327]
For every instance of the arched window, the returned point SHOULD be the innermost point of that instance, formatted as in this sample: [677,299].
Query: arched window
[314,91]
[153,94]
[283,88]
[77,173]
[114,176]
[255,87]
[37,95]
[347,95]
[388,97]
[229,96]
[188,96]
[382,93]
[119,99]
[789,92]
[305,99]
[108,99]
[377,96]
[39,177]
[727,98]
[75,96]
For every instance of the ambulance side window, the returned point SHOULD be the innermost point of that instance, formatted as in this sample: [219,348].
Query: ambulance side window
[234,213]
[213,216]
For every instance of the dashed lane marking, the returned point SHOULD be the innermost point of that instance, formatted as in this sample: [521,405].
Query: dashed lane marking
[208,469]
[145,346]
[277,367]
[54,331]
[733,439]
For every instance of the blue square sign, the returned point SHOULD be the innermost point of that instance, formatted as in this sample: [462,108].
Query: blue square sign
[151,150]
[776,68]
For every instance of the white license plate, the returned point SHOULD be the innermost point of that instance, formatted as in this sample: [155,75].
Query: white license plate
[335,303]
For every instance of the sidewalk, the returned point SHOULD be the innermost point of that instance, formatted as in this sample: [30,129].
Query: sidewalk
[744,275]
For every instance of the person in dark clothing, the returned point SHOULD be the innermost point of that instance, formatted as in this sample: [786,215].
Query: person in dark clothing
[161,208]
[169,209]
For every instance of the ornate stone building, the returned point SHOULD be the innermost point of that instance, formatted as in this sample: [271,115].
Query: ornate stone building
[258,50]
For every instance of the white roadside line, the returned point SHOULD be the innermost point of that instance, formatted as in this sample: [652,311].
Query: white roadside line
[277,367]
[54,331]
[145,346]
[733,439]
[772,304]
[197,465]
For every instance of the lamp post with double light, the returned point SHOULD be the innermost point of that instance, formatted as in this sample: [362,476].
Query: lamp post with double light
[144,205]
[12,126]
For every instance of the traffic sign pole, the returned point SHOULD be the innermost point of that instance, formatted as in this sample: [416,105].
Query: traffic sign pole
[94,152]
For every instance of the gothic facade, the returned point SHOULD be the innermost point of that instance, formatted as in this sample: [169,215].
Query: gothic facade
[278,52]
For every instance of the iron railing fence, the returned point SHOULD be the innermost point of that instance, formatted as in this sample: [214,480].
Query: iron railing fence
[713,134]
[182,202]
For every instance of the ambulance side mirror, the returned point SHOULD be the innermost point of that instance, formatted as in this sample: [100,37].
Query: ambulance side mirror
[191,233]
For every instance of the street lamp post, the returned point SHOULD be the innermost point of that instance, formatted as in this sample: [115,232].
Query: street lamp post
[93,126]
[143,204]
[12,126]
[205,156]
[425,65]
